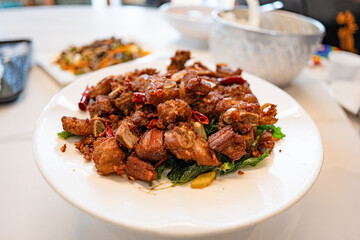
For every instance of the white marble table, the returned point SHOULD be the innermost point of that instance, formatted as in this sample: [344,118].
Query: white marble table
[30,209]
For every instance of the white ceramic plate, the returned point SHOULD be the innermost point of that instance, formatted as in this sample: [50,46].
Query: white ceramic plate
[231,202]
[347,94]
[46,61]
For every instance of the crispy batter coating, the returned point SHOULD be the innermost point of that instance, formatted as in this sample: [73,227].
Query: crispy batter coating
[108,156]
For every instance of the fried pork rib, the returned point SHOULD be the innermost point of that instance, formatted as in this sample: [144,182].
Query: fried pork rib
[146,115]
[151,146]
[173,111]
[82,127]
[178,61]
[185,144]
[140,169]
[108,156]
[229,143]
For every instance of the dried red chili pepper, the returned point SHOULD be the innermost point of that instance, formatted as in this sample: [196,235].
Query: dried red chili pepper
[200,117]
[84,100]
[162,160]
[108,131]
[139,97]
[153,124]
[231,80]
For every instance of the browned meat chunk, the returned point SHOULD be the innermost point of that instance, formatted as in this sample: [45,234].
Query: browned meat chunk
[266,141]
[201,69]
[237,91]
[227,142]
[92,108]
[225,104]
[160,90]
[102,88]
[243,116]
[241,121]
[186,145]
[151,145]
[250,98]
[173,111]
[108,156]
[268,113]
[222,70]
[124,103]
[104,106]
[178,61]
[86,146]
[249,137]
[139,84]
[139,118]
[195,84]
[139,169]
[82,127]
[207,104]
[124,134]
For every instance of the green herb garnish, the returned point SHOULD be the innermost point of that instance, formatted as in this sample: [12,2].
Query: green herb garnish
[65,135]
[276,131]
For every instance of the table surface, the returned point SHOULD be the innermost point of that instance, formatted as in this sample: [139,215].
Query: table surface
[30,209]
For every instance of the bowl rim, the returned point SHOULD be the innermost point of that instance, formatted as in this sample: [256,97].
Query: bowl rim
[215,16]
[164,9]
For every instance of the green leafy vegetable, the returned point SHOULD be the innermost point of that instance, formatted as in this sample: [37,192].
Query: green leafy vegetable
[65,135]
[184,173]
[212,127]
[169,163]
[229,167]
[276,131]
[223,158]
[159,170]
[252,162]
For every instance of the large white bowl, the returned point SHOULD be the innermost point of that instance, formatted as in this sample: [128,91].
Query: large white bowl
[230,203]
[191,21]
[276,51]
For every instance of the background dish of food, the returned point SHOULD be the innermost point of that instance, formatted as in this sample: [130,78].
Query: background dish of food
[232,202]
[47,61]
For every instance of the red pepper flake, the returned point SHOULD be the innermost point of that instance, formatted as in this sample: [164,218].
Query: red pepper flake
[200,117]
[240,172]
[162,160]
[279,150]
[85,97]
[131,178]
[231,80]
[108,131]
[153,124]
[139,97]
[63,148]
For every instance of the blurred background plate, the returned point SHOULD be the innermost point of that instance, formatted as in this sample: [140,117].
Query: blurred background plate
[46,59]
